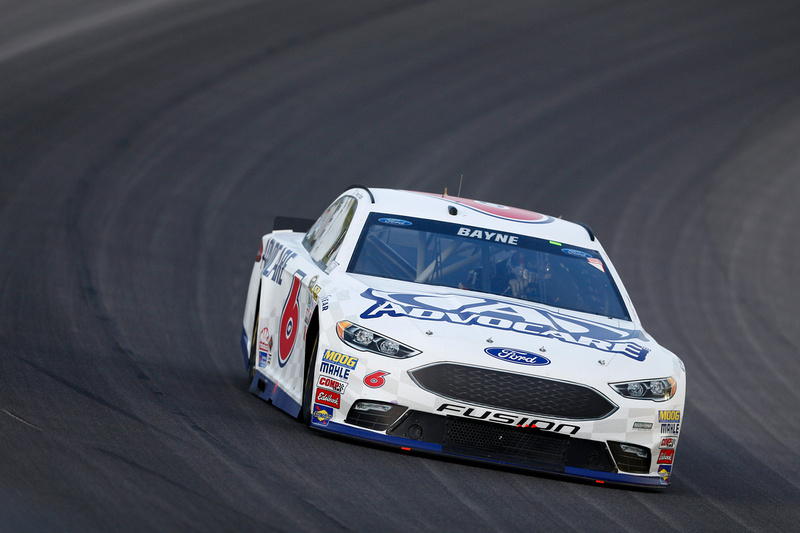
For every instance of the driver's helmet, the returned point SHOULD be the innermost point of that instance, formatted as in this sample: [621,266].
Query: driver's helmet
[525,270]
[523,266]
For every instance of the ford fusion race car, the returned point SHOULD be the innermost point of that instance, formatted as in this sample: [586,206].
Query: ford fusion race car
[473,330]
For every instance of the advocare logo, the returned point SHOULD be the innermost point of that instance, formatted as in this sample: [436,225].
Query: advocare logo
[524,318]
[519,357]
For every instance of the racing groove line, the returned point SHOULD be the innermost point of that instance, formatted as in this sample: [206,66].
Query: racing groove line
[148,145]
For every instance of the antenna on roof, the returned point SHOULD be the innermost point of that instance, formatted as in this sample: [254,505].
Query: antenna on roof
[445,192]
[459,185]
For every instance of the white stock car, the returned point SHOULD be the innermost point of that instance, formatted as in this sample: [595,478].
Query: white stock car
[473,330]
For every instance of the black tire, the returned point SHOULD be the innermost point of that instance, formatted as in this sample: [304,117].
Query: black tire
[311,363]
[251,366]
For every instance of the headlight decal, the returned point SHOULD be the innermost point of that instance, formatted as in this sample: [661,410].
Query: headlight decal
[366,340]
[656,390]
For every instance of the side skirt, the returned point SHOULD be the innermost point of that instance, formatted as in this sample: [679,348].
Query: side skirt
[266,389]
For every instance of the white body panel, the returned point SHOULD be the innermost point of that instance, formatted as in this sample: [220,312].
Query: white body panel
[446,325]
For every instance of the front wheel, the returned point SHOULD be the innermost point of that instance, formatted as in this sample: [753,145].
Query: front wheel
[308,382]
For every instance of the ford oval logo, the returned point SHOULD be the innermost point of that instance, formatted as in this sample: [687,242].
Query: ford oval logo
[395,221]
[519,357]
[576,252]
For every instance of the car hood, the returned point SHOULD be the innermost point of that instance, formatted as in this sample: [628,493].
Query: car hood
[479,329]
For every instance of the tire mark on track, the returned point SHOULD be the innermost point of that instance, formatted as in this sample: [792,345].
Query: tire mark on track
[66,30]
[20,419]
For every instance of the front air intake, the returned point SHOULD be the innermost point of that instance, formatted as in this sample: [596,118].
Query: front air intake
[374,415]
[631,458]
[513,392]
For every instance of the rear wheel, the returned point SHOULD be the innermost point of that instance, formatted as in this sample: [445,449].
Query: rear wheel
[251,366]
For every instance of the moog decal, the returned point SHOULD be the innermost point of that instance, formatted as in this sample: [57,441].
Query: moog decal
[337,364]
[670,422]
[497,314]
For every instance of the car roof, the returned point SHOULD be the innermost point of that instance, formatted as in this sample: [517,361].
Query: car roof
[479,214]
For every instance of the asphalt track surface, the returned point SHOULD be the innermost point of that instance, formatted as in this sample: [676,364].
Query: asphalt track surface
[146,145]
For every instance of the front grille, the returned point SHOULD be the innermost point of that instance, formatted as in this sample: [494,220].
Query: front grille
[487,440]
[513,392]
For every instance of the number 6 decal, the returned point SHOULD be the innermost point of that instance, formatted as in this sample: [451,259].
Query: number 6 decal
[375,380]
[289,319]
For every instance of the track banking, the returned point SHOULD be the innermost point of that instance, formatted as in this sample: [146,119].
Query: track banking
[497,314]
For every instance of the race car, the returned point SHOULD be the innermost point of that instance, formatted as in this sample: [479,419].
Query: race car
[439,324]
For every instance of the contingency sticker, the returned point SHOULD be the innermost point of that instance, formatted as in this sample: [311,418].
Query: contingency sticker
[322,414]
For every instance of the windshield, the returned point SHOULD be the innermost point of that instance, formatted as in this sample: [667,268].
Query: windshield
[485,260]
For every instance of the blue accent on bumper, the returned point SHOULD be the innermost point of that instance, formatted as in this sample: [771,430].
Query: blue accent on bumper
[364,434]
[609,477]
[627,479]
